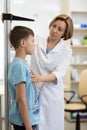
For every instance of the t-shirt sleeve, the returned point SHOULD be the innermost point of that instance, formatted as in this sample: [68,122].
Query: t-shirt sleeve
[19,74]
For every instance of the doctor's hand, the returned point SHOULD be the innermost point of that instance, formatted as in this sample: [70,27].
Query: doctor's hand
[36,78]
[43,78]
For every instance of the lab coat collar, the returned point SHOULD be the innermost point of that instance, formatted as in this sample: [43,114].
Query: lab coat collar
[43,44]
[58,47]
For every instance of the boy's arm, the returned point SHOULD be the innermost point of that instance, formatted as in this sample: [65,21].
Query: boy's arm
[21,96]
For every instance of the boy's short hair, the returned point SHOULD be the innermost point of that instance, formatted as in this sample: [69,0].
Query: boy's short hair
[69,25]
[18,33]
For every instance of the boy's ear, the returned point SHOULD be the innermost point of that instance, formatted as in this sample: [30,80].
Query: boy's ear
[23,43]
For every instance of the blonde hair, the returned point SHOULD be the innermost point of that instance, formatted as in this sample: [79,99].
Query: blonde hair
[69,25]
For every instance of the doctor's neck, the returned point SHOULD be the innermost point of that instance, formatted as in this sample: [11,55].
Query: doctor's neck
[53,41]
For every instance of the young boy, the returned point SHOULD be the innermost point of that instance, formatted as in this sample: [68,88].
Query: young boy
[24,110]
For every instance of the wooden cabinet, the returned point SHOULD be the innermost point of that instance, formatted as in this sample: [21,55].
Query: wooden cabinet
[78,12]
[78,63]
[79,57]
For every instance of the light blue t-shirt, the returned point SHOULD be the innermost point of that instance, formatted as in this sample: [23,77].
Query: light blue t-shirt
[19,72]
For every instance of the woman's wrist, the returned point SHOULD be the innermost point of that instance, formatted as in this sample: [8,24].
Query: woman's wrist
[48,78]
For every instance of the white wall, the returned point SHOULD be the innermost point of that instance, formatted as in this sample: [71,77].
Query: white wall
[41,10]
[78,5]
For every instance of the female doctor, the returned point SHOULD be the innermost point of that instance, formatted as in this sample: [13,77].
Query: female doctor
[49,63]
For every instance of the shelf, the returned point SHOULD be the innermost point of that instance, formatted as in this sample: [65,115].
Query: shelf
[79,47]
[79,64]
[80,29]
[79,55]
[79,18]
[78,11]
[74,82]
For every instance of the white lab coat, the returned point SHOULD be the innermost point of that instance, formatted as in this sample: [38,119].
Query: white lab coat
[52,95]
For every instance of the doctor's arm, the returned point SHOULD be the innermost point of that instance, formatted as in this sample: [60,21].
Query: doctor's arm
[57,73]
[44,78]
